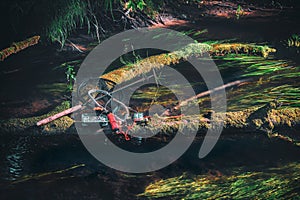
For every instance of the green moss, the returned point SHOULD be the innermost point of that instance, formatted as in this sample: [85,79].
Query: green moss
[192,49]
[143,66]
[21,124]
[238,48]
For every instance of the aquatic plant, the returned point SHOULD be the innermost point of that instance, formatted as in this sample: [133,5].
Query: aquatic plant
[239,12]
[19,125]
[47,174]
[240,183]
[195,34]
[56,90]
[292,73]
[265,67]
[294,41]
[71,76]
[70,68]
[271,79]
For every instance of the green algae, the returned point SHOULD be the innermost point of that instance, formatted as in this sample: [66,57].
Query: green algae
[273,183]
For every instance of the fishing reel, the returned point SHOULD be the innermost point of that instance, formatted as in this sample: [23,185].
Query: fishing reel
[99,101]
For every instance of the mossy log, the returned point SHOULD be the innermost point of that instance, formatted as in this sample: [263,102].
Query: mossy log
[226,48]
[21,125]
[267,119]
[18,46]
[144,66]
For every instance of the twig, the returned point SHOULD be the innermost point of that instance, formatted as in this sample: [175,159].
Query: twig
[75,46]
[59,115]
[202,94]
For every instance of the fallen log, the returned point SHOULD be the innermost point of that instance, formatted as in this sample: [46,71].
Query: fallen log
[18,46]
[266,119]
[21,125]
[237,48]
[144,66]
[233,119]
[183,103]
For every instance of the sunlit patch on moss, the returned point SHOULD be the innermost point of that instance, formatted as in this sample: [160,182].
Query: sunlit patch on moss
[238,48]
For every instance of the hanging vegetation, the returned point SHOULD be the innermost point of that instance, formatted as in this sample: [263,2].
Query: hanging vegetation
[71,15]
[98,17]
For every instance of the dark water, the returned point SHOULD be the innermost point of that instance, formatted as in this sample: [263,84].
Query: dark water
[59,167]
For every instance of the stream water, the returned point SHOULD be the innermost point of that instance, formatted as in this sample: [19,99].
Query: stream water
[59,166]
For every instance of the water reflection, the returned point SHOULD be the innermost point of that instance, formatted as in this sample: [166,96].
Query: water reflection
[16,148]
